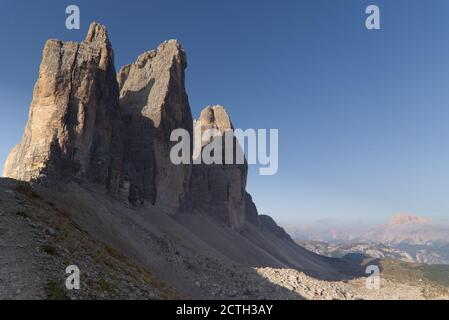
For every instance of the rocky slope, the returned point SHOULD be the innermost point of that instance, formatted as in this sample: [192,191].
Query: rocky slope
[398,281]
[39,239]
[38,242]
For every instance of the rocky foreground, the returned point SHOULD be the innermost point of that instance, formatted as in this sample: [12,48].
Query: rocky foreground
[38,240]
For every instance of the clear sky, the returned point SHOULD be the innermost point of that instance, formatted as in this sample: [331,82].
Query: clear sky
[363,116]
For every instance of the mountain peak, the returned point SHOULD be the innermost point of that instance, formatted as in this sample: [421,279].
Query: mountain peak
[97,34]
[215,117]
[407,219]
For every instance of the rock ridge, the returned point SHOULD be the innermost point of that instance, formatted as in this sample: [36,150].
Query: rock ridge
[89,124]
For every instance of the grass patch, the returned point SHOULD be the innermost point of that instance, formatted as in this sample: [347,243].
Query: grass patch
[114,253]
[138,273]
[49,249]
[106,286]
[22,214]
[434,279]
[436,273]
[55,292]
[164,291]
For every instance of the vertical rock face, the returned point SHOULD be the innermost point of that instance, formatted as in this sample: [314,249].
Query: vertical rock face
[72,114]
[154,103]
[87,123]
[251,213]
[219,189]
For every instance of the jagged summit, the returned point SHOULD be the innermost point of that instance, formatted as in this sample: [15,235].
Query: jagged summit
[218,189]
[216,117]
[154,102]
[89,124]
[72,114]
[97,33]
[171,49]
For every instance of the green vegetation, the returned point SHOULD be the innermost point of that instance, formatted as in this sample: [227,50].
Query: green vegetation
[22,214]
[105,286]
[436,273]
[165,292]
[433,278]
[55,292]
[49,249]
[114,253]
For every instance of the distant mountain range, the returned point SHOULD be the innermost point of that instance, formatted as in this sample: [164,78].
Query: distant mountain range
[407,237]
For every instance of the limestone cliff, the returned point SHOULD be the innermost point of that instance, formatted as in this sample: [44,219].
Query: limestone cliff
[219,189]
[72,115]
[91,125]
[154,102]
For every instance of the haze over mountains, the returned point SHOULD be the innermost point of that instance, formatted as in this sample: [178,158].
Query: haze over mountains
[405,236]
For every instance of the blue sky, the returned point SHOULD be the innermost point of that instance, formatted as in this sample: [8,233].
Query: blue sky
[362,115]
